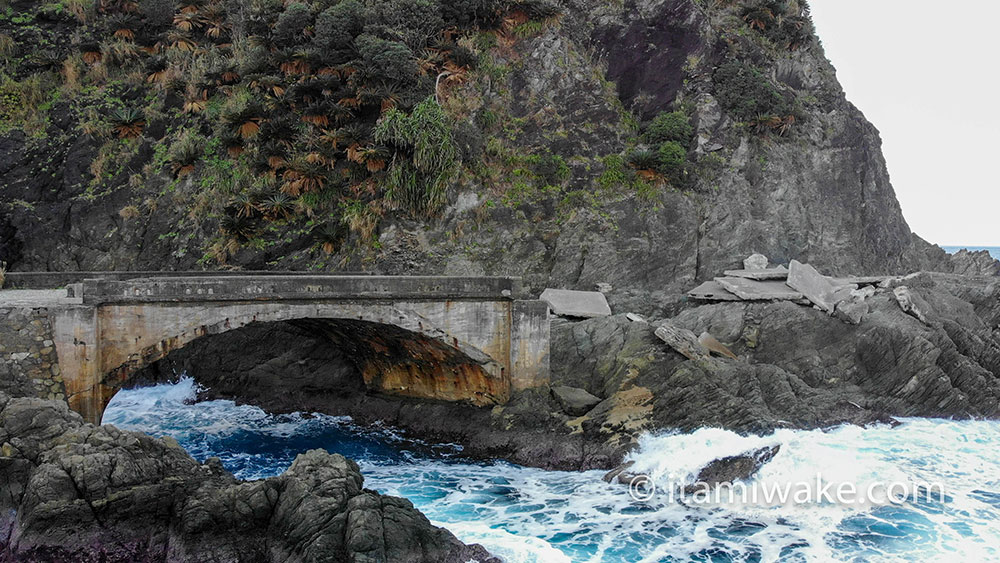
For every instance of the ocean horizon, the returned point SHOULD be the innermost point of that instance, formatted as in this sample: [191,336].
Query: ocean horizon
[993,250]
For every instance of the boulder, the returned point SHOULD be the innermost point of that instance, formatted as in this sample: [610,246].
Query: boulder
[728,470]
[580,304]
[755,262]
[573,400]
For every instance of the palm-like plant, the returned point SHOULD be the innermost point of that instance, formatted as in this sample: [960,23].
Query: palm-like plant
[244,119]
[238,227]
[128,122]
[758,16]
[329,236]
[91,52]
[122,26]
[184,155]
[303,176]
[277,206]
[157,68]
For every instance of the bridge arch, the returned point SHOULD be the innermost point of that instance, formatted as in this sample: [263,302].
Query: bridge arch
[425,339]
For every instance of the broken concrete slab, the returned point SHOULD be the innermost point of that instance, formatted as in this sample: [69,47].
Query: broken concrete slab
[713,345]
[712,291]
[753,290]
[911,303]
[573,400]
[779,273]
[635,318]
[861,280]
[851,310]
[682,340]
[571,303]
[755,262]
[817,288]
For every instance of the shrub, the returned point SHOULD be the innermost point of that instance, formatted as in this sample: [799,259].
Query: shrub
[672,158]
[415,21]
[157,14]
[385,61]
[291,25]
[336,27]
[669,126]
[469,13]
[745,92]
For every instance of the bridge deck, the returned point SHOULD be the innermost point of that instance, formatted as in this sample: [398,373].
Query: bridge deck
[36,298]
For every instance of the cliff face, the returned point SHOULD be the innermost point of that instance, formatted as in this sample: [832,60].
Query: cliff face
[562,180]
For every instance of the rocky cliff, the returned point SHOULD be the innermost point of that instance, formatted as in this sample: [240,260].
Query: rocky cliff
[569,170]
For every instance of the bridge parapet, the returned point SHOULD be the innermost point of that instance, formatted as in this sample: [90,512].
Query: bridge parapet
[288,288]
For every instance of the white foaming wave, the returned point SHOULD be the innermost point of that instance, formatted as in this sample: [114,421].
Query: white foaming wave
[962,456]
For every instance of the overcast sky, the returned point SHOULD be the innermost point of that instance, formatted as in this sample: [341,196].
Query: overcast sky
[926,74]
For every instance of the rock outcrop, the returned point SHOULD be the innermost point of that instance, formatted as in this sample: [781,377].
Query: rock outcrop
[75,492]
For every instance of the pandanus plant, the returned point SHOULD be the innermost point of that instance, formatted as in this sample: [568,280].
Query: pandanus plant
[128,122]
[303,176]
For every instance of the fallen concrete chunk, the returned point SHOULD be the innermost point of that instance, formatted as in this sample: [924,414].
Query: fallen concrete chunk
[779,273]
[911,303]
[816,287]
[755,262]
[712,291]
[569,303]
[851,310]
[573,400]
[682,340]
[753,290]
[713,345]
[635,318]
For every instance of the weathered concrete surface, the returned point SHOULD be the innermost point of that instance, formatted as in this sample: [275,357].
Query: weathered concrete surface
[779,273]
[455,339]
[817,288]
[571,303]
[712,291]
[752,290]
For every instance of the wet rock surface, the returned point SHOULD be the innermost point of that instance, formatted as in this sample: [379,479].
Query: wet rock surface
[75,492]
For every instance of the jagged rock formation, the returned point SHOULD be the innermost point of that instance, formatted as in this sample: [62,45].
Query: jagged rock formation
[75,492]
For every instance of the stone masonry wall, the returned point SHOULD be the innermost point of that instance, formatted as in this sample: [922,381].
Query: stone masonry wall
[28,364]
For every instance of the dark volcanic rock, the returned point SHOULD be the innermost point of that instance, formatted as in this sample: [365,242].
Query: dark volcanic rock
[75,492]
[731,469]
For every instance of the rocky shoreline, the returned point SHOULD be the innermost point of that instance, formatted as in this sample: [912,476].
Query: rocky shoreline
[75,492]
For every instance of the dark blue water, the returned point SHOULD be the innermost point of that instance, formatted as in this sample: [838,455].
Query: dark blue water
[531,515]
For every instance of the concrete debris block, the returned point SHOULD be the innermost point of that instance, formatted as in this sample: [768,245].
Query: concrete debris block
[635,318]
[816,287]
[755,262]
[712,291]
[779,273]
[682,340]
[752,290]
[861,280]
[569,303]
[604,287]
[911,303]
[713,345]
[864,292]
[851,310]
[573,400]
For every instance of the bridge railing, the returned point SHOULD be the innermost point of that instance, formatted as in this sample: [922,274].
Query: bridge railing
[54,280]
[274,287]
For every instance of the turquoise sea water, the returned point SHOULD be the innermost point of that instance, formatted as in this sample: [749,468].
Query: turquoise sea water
[993,250]
[530,515]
